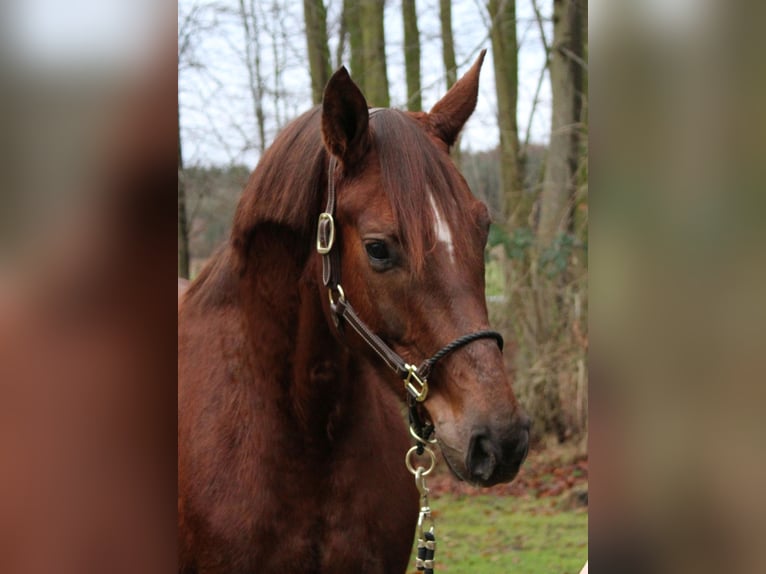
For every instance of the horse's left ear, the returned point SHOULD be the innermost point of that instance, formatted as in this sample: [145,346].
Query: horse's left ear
[345,119]
[448,116]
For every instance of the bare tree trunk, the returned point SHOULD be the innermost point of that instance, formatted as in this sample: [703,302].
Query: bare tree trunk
[580,212]
[448,57]
[505,57]
[353,23]
[183,226]
[315,16]
[374,46]
[567,72]
[253,64]
[536,100]
[448,44]
[412,55]
[278,55]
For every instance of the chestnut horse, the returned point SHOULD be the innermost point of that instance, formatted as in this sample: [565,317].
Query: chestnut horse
[290,436]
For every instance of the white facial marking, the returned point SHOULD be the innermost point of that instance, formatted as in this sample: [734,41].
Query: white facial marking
[443,233]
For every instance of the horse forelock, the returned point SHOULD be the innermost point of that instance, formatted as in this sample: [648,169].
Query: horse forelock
[425,191]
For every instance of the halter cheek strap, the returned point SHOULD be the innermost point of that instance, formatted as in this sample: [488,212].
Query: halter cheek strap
[415,378]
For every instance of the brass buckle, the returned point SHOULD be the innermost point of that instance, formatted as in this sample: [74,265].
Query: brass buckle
[412,381]
[341,296]
[324,248]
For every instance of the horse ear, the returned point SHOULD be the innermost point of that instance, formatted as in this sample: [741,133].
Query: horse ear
[345,119]
[448,116]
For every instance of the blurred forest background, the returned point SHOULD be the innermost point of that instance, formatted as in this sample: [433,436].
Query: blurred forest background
[247,67]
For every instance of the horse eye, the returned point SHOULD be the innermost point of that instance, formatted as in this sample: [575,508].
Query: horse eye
[377,250]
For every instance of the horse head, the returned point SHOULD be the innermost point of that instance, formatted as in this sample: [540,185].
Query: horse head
[410,238]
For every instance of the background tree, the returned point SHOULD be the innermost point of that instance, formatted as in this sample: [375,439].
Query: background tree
[281,45]
[375,79]
[448,43]
[351,24]
[502,15]
[448,57]
[189,28]
[412,55]
[315,17]
[252,57]
[567,69]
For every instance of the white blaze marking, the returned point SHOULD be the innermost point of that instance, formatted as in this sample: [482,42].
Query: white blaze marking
[443,233]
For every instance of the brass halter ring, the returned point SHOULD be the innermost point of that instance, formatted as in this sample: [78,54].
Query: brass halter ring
[423,472]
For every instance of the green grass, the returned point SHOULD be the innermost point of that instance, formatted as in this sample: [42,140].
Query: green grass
[504,535]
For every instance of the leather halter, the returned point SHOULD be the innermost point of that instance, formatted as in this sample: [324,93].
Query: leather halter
[415,378]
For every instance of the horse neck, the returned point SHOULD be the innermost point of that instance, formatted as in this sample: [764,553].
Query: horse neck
[290,338]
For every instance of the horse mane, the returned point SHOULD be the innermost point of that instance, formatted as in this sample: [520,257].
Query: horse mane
[286,186]
[289,184]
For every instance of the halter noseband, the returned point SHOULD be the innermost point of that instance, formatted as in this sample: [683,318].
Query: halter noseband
[415,378]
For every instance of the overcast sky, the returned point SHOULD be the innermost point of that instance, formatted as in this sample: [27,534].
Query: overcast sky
[217,119]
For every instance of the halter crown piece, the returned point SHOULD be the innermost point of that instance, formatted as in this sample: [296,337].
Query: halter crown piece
[415,378]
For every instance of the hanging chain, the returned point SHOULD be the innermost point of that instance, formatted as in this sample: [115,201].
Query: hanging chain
[424,561]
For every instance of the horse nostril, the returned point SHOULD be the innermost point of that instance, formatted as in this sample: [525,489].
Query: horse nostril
[482,459]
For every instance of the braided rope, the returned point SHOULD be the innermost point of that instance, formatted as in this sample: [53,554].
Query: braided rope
[428,364]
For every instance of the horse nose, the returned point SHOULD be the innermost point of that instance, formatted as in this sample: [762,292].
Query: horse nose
[490,461]
[482,457]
